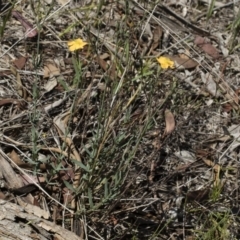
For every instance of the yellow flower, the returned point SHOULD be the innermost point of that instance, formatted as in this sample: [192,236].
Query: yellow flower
[165,62]
[76,44]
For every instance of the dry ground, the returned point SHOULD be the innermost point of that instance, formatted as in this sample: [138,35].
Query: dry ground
[103,142]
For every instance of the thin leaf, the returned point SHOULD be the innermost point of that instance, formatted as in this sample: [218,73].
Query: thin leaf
[210,9]
[106,190]
[69,186]
[90,198]
[81,165]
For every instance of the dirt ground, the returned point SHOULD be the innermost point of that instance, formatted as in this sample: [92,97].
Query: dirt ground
[133,134]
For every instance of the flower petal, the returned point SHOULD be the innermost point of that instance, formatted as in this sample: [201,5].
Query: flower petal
[165,62]
[76,44]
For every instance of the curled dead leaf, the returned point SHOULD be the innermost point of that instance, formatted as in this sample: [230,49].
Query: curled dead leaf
[50,70]
[216,167]
[30,31]
[17,160]
[170,122]
[7,101]
[50,85]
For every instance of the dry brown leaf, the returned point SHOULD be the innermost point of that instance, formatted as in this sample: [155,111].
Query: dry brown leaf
[199,40]
[21,90]
[198,195]
[184,56]
[227,107]
[34,179]
[50,70]
[110,68]
[17,160]
[209,162]
[104,56]
[20,62]
[207,47]
[217,169]
[170,122]
[113,71]
[210,84]
[184,62]
[157,35]
[13,180]
[102,63]
[5,73]
[30,31]
[183,167]
[210,50]
[11,100]
[51,84]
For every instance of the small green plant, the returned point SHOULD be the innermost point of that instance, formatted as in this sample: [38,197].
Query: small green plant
[4,17]
[215,227]
[235,27]
[210,9]
[215,193]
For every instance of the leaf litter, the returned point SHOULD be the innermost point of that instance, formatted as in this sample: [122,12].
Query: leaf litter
[116,143]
